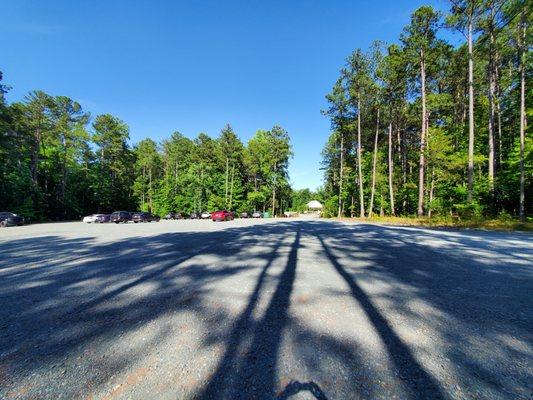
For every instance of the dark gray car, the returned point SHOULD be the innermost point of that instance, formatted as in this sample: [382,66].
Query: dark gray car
[10,219]
[144,217]
[120,216]
[102,218]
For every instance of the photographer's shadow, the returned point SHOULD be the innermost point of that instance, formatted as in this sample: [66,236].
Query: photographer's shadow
[295,387]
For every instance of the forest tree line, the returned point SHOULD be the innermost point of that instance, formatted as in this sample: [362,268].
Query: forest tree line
[58,163]
[425,128]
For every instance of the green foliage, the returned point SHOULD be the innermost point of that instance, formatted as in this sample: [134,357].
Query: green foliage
[330,207]
[112,167]
[300,198]
[390,81]
[53,167]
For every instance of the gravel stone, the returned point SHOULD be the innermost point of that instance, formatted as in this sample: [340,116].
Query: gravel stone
[264,309]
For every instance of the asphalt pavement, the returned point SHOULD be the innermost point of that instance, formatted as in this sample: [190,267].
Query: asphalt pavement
[264,309]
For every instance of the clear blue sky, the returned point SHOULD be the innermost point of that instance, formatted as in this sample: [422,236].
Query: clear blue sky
[194,66]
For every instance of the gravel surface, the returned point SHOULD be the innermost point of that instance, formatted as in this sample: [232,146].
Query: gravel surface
[264,309]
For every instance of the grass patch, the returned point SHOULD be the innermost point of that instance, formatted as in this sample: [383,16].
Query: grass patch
[496,224]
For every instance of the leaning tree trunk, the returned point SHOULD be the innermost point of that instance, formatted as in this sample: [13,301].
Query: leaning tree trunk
[470,113]
[422,137]
[391,167]
[374,161]
[360,172]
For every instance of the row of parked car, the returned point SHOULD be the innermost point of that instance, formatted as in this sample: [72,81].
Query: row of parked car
[126,216]
[211,215]
[12,219]
[121,216]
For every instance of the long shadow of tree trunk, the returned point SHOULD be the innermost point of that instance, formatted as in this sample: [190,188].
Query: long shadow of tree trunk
[254,376]
[226,369]
[259,368]
[419,383]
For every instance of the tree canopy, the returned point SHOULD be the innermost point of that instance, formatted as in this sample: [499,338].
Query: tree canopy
[427,128]
[58,163]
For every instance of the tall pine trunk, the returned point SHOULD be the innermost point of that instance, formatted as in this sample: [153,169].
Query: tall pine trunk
[175,186]
[404,178]
[492,113]
[422,136]
[227,178]
[470,113]
[360,172]
[391,172]
[500,151]
[231,186]
[374,161]
[498,96]
[34,167]
[64,176]
[273,201]
[274,192]
[341,173]
[522,36]
[431,190]
[150,192]
[143,198]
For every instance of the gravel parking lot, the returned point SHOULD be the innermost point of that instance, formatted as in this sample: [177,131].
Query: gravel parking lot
[264,309]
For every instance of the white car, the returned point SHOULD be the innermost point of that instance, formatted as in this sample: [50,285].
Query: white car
[205,215]
[91,218]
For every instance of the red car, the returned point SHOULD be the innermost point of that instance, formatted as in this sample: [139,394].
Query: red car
[222,215]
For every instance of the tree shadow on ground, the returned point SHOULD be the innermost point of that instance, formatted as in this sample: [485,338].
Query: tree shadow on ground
[419,382]
[62,298]
[477,291]
[58,296]
[236,377]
